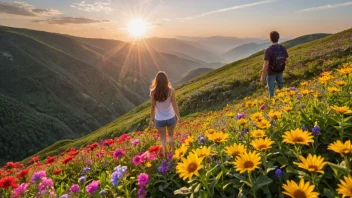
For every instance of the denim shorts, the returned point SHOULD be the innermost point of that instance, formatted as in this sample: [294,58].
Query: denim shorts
[161,123]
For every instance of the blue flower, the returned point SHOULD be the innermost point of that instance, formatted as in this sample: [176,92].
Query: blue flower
[316,130]
[103,192]
[304,128]
[117,174]
[82,179]
[163,168]
[278,173]
[85,170]
[201,140]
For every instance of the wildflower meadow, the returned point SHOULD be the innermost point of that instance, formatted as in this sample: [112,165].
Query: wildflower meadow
[297,144]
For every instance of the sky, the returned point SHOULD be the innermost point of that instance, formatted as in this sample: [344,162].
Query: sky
[171,18]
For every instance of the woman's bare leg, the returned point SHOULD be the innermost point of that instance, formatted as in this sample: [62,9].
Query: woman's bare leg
[170,131]
[162,132]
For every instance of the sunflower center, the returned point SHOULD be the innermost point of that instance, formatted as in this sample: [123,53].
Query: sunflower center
[263,146]
[192,167]
[299,194]
[248,164]
[217,140]
[298,139]
[313,168]
[235,153]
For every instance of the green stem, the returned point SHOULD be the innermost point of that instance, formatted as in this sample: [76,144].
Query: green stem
[341,128]
[206,186]
[348,165]
[265,163]
[252,186]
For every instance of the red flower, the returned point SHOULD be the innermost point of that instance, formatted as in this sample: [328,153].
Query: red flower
[38,164]
[155,149]
[23,173]
[11,165]
[109,142]
[34,159]
[50,160]
[92,146]
[8,182]
[73,153]
[68,159]
[57,172]
[123,138]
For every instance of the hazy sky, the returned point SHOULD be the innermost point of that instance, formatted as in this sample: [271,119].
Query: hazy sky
[170,18]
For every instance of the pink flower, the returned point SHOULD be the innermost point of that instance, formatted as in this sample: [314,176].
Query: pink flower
[74,188]
[20,190]
[135,142]
[118,153]
[262,107]
[143,179]
[92,187]
[142,192]
[137,160]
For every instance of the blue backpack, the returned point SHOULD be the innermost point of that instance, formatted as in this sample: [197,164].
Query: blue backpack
[279,60]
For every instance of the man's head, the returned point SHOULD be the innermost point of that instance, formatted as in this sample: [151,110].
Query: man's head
[274,36]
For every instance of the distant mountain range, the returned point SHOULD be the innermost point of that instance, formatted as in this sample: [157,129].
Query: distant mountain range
[193,74]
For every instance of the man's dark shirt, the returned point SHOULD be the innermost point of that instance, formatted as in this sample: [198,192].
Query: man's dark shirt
[269,56]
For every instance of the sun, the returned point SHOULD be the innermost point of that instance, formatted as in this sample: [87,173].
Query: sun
[137,27]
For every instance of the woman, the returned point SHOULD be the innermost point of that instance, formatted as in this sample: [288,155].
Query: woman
[164,109]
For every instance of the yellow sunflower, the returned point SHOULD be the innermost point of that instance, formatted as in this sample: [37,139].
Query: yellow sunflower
[333,90]
[218,137]
[326,73]
[313,164]
[180,152]
[297,137]
[342,110]
[189,166]
[203,152]
[303,84]
[247,162]
[325,79]
[264,124]
[230,114]
[258,133]
[345,71]
[291,93]
[305,92]
[342,148]
[287,109]
[257,116]
[189,141]
[303,189]
[262,144]
[345,187]
[341,83]
[275,115]
[209,132]
[235,150]
[242,121]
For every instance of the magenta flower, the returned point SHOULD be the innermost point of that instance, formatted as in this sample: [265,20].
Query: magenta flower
[137,160]
[20,190]
[92,187]
[142,192]
[262,107]
[135,142]
[118,153]
[74,188]
[143,179]
[44,184]
[37,176]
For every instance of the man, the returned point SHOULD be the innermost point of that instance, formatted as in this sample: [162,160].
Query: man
[275,60]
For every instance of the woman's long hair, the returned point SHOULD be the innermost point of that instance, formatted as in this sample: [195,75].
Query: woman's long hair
[160,87]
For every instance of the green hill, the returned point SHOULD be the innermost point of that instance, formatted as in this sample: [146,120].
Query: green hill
[231,83]
[66,87]
[193,74]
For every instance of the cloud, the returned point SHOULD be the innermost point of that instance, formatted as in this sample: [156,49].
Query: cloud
[93,7]
[25,9]
[228,9]
[325,7]
[70,20]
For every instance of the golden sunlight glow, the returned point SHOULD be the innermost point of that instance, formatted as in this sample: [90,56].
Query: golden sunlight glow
[137,27]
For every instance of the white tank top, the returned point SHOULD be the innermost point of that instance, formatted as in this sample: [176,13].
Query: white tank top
[164,110]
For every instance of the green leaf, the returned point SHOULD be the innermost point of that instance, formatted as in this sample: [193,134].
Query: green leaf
[328,193]
[262,181]
[338,168]
[211,171]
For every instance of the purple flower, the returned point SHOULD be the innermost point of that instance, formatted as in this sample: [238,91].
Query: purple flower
[243,132]
[118,153]
[163,168]
[20,189]
[142,192]
[82,179]
[44,184]
[292,88]
[143,179]
[240,115]
[243,105]
[117,174]
[92,187]
[169,156]
[304,128]
[303,106]
[135,142]
[89,162]
[74,188]
[316,130]
[299,96]
[64,196]
[262,107]
[278,173]
[38,176]
[234,130]
[272,122]
[201,140]
[85,170]
[137,160]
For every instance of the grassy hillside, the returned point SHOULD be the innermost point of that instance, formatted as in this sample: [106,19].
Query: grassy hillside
[193,74]
[76,84]
[232,83]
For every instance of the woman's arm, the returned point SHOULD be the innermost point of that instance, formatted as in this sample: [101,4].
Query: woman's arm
[152,110]
[174,104]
